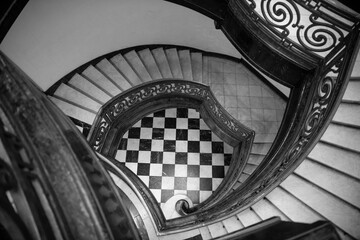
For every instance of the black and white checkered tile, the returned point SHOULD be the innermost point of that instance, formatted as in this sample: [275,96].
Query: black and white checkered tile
[174,152]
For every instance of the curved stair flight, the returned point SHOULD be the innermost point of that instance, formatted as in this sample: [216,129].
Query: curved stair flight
[81,93]
[326,186]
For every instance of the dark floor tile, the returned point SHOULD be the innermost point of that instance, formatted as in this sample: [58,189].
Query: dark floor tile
[217,147]
[180,183]
[193,123]
[227,159]
[193,170]
[166,194]
[155,182]
[156,157]
[181,158]
[145,145]
[205,135]
[147,122]
[193,146]
[170,122]
[206,184]
[160,113]
[169,145]
[218,171]
[132,156]
[168,170]
[134,132]
[143,169]
[194,196]
[182,113]
[205,159]
[158,133]
[181,134]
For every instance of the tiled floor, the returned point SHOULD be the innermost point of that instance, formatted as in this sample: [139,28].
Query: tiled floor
[174,152]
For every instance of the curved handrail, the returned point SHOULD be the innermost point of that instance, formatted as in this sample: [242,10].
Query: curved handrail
[60,183]
[121,112]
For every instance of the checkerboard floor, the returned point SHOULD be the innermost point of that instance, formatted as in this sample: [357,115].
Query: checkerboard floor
[174,152]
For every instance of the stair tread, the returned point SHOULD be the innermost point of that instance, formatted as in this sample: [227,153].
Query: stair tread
[260,148]
[112,73]
[265,209]
[101,81]
[248,217]
[150,63]
[74,111]
[329,206]
[264,137]
[333,181]
[72,95]
[352,91]
[196,64]
[80,83]
[126,70]
[174,62]
[255,159]
[294,209]
[217,229]
[205,73]
[185,62]
[232,224]
[348,113]
[249,169]
[134,60]
[162,62]
[339,135]
[330,155]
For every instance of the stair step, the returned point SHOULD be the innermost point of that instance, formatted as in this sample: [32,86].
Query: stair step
[97,78]
[217,229]
[348,113]
[265,209]
[133,59]
[339,135]
[196,64]
[332,208]
[174,62]
[185,62]
[352,91]
[330,155]
[205,74]
[150,63]
[255,159]
[260,148]
[232,224]
[248,217]
[294,209]
[205,233]
[264,137]
[70,94]
[162,62]
[126,70]
[83,85]
[249,169]
[74,111]
[243,177]
[330,180]
[112,73]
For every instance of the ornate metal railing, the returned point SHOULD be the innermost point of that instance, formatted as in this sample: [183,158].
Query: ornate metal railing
[309,28]
[120,113]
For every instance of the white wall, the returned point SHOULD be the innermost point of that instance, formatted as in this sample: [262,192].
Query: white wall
[50,38]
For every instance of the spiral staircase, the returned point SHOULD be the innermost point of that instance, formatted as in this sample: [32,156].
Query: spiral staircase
[325,186]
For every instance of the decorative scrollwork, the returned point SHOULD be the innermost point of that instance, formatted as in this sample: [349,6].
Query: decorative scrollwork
[116,107]
[281,15]
[319,36]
